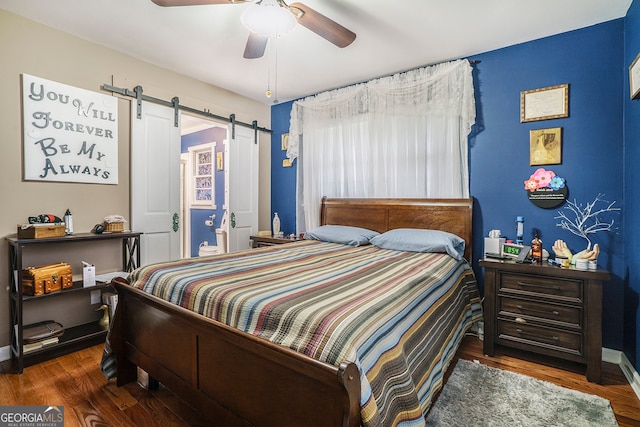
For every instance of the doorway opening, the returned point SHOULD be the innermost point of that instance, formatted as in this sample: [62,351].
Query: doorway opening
[202,175]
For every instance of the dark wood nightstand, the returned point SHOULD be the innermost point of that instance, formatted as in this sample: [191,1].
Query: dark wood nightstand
[545,309]
[259,241]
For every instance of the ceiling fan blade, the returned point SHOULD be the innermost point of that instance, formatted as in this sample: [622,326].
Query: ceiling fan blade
[256,45]
[170,3]
[322,26]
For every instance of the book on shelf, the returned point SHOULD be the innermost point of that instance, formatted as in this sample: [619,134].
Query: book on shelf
[39,344]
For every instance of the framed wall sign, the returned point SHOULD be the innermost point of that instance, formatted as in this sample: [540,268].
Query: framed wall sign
[545,146]
[634,78]
[545,103]
[69,134]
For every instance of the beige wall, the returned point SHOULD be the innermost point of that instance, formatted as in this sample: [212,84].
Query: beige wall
[31,48]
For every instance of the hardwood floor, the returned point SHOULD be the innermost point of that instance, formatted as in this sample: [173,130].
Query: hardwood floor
[75,382]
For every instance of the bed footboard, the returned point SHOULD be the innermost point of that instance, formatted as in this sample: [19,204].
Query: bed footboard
[230,377]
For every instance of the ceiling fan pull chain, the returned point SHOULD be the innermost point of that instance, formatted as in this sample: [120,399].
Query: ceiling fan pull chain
[275,80]
[268,92]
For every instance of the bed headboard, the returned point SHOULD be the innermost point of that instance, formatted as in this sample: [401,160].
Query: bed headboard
[452,215]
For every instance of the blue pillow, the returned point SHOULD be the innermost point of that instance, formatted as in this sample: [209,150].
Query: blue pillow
[417,240]
[352,236]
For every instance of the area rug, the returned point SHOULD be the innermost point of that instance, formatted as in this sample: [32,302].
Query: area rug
[478,395]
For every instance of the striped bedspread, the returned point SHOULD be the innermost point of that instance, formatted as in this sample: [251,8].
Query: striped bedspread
[398,315]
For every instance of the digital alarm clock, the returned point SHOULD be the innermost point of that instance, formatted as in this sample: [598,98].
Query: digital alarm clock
[515,251]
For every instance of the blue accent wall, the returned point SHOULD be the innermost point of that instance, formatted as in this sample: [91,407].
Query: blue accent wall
[594,62]
[589,60]
[631,195]
[199,231]
[283,180]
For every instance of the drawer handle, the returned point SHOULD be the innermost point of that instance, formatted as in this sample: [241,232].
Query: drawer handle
[520,320]
[521,332]
[533,310]
[554,287]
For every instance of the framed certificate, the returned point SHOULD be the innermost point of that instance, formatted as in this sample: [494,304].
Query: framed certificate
[545,103]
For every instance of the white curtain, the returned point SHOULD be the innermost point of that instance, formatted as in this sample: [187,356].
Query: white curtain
[398,136]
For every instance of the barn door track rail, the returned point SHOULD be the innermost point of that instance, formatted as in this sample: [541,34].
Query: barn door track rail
[175,104]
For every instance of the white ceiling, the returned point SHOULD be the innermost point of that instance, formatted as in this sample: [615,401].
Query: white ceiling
[207,42]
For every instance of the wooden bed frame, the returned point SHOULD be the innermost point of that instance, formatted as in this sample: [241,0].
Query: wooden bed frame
[236,379]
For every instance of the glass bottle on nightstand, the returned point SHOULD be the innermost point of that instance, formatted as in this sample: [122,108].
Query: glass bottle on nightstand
[536,248]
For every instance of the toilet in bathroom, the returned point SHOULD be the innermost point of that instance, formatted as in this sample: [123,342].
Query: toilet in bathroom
[221,240]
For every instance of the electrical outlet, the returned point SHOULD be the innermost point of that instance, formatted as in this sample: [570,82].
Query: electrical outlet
[96,297]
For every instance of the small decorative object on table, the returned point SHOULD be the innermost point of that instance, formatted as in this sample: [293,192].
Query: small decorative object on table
[114,223]
[586,222]
[536,248]
[41,226]
[276,225]
[47,278]
[104,321]
[40,231]
[68,222]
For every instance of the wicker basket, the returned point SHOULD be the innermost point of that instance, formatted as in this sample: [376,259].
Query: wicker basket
[113,227]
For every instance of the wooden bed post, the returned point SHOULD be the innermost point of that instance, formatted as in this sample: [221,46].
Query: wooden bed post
[127,371]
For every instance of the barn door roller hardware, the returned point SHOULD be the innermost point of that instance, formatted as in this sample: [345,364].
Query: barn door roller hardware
[175,104]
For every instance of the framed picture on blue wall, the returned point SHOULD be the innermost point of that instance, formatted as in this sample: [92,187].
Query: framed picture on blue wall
[545,146]
[634,78]
[544,103]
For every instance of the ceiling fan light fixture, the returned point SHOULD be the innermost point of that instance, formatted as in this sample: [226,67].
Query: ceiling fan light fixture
[268,18]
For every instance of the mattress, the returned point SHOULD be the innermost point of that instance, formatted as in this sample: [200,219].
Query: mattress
[399,316]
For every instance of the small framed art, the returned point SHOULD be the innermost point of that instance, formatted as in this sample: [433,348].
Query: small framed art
[219,161]
[545,146]
[545,103]
[634,78]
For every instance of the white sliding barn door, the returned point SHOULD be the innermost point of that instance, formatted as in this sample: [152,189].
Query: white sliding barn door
[155,182]
[241,187]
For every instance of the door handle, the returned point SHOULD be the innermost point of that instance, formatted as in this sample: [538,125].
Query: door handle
[176,222]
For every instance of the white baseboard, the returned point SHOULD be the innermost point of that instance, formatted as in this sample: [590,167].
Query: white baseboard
[620,359]
[611,356]
[631,374]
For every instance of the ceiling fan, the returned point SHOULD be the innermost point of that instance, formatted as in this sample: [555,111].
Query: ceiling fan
[270,18]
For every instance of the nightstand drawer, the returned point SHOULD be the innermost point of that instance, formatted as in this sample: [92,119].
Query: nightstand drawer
[541,312]
[536,336]
[565,289]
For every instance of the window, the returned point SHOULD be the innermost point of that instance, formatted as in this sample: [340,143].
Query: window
[202,169]
[402,136]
